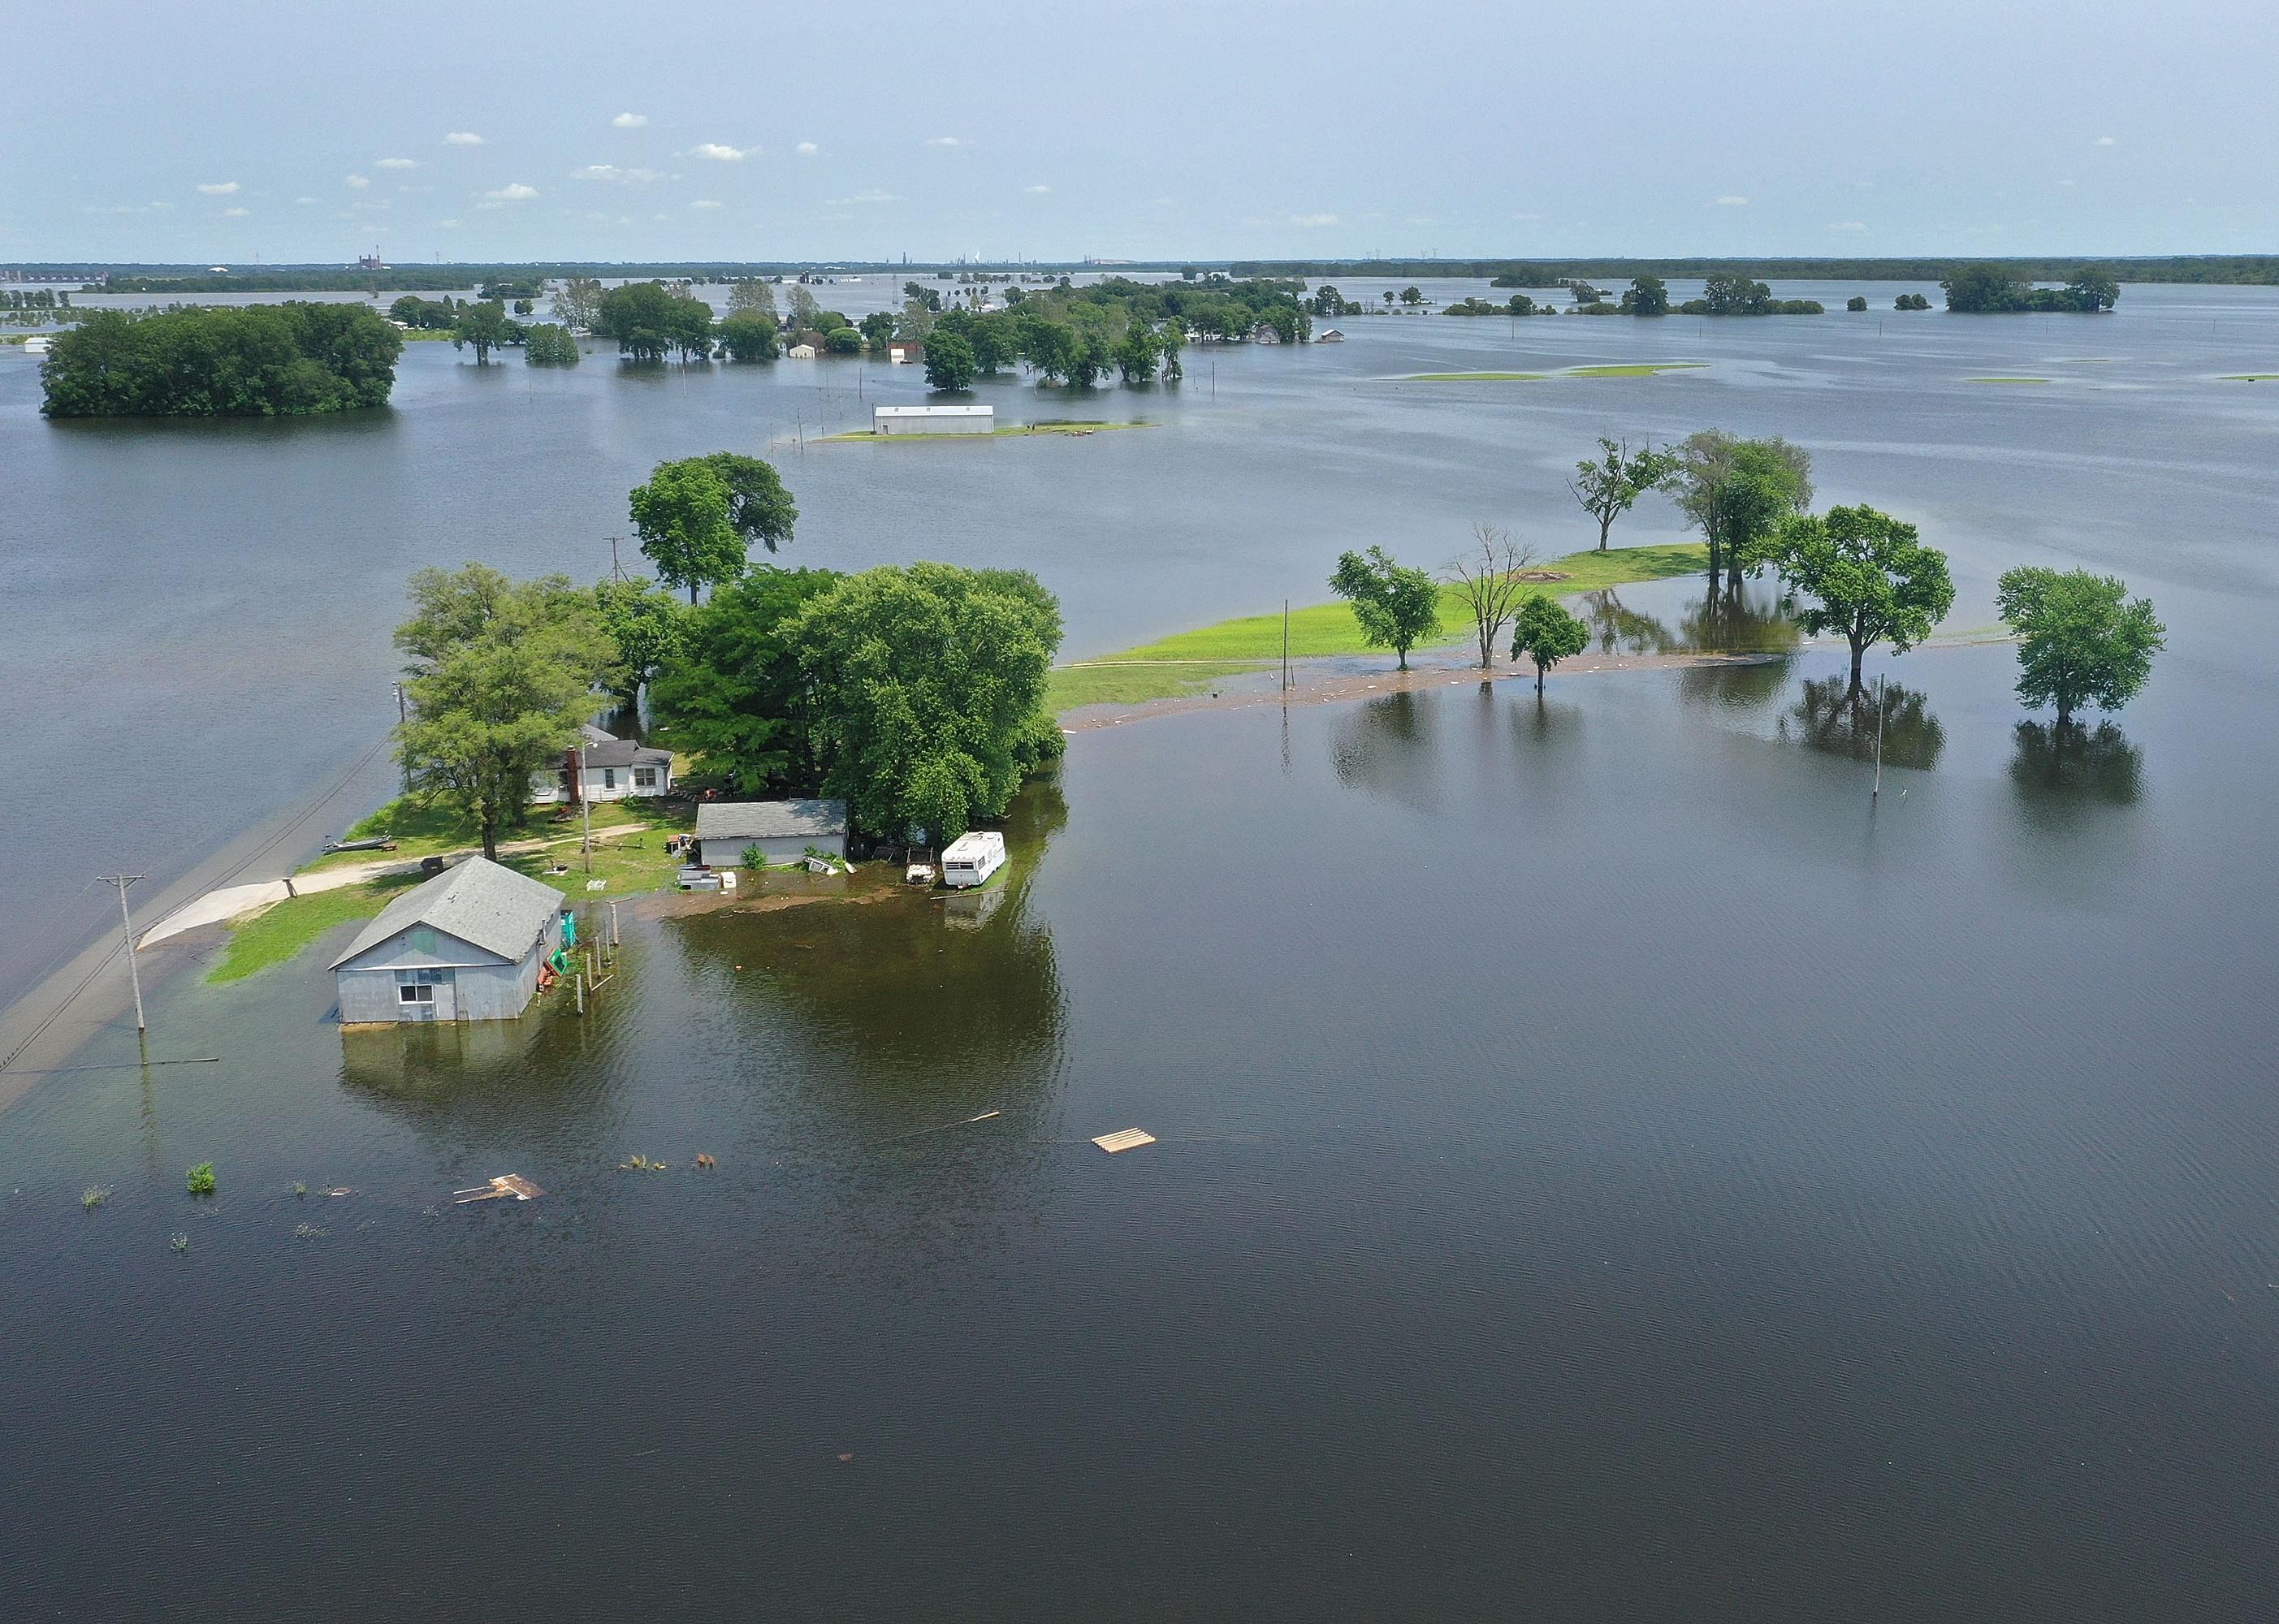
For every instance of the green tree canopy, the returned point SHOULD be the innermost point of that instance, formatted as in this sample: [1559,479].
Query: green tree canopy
[645,624]
[752,295]
[1737,492]
[759,507]
[681,516]
[256,360]
[1608,487]
[735,694]
[1396,606]
[549,344]
[929,685]
[482,325]
[578,303]
[748,335]
[650,320]
[499,671]
[1647,296]
[1870,578]
[1544,633]
[949,363]
[2081,640]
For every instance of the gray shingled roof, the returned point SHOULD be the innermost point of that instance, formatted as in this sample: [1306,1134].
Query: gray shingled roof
[625,753]
[769,820]
[477,901]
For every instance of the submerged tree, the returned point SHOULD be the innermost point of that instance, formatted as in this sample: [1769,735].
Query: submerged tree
[949,364]
[501,673]
[482,325]
[1546,633]
[733,692]
[1871,580]
[645,624]
[1737,492]
[1397,606]
[2081,640]
[681,516]
[1609,486]
[1486,582]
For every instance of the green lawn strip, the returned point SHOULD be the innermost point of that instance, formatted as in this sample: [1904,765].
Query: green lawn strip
[2249,377]
[1009,432]
[438,831]
[277,933]
[1329,629]
[1108,683]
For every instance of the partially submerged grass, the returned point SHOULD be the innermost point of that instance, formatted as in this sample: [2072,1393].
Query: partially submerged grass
[1007,432]
[277,933]
[93,1197]
[2249,377]
[1187,662]
[1631,369]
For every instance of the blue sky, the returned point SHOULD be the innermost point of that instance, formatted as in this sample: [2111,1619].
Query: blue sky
[233,130]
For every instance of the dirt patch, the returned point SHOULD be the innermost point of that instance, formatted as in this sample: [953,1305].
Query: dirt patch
[1542,575]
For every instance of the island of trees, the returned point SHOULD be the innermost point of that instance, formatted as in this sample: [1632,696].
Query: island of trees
[1991,290]
[262,360]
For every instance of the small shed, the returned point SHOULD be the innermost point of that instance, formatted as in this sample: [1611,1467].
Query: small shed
[783,830]
[904,352]
[800,352]
[465,946]
[932,420]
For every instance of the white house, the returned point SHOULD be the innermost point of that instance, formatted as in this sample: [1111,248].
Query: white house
[615,768]
[783,830]
[972,858]
[932,420]
[800,352]
[465,946]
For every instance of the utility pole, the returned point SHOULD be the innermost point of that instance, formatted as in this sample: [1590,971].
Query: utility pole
[617,570]
[127,929]
[1878,792]
[1285,645]
[585,804]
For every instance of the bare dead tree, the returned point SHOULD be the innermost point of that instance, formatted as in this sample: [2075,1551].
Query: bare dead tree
[1486,580]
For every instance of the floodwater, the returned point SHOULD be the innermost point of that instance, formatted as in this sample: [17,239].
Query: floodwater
[1608,1165]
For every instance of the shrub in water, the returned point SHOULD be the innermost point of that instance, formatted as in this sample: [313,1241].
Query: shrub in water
[200,1179]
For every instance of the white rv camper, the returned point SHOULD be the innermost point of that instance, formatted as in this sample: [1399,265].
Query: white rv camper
[972,858]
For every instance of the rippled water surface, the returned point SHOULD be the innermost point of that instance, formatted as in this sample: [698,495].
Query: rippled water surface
[1607,1165]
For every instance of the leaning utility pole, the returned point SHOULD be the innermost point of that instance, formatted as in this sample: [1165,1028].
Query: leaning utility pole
[126,927]
[1877,794]
[586,803]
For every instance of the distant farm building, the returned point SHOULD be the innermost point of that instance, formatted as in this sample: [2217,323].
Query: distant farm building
[465,946]
[932,420]
[783,830]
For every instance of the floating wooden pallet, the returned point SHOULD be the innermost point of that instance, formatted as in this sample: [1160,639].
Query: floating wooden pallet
[507,1184]
[1128,1138]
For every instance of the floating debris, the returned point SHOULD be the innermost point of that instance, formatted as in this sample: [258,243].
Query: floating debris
[1128,1138]
[641,1164]
[506,1184]
[179,1241]
[307,1232]
[703,1161]
[340,1189]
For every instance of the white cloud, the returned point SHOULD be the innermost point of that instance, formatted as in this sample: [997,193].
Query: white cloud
[629,121]
[462,138]
[612,173]
[1847,225]
[873,196]
[397,162]
[304,200]
[514,191]
[706,203]
[358,181]
[1309,221]
[1036,191]
[719,153]
[2106,141]
[235,214]
[944,141]
[1731,201]
[449,225]
[218,188]
[807,149]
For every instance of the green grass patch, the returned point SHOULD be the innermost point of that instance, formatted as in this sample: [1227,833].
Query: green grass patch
[1176,665]
[439,830]
[2250,377]
[1011,431]
[277,934]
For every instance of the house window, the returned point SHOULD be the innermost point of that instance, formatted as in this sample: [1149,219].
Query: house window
[608,778]
[644,777]
[562,782]
[416,992]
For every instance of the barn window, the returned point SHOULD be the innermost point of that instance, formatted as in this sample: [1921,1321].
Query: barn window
[416,992]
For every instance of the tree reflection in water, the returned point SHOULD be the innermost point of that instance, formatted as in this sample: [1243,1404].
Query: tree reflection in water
[1616,629]
[1747,622]
[2058,770]
[1826,716]
[1385,747]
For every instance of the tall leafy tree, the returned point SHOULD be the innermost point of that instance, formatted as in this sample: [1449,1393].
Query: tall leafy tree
[1869,578]
[1646,296]
[483,326]
[682,517]
[1135,353]
[747,335]
[2082,641]
[735,694]
[759,507]
[500,673]
[1397,606]
[949,363]
[645,626]
[929,685]
[578,303]
[751,295]
[1609,486]
[1544,633]
[1737,492]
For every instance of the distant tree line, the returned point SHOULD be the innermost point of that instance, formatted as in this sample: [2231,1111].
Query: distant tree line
[260,360]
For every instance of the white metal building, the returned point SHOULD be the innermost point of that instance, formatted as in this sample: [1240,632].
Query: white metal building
[464,946]
[932,420]
[783,830]
[972,858]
